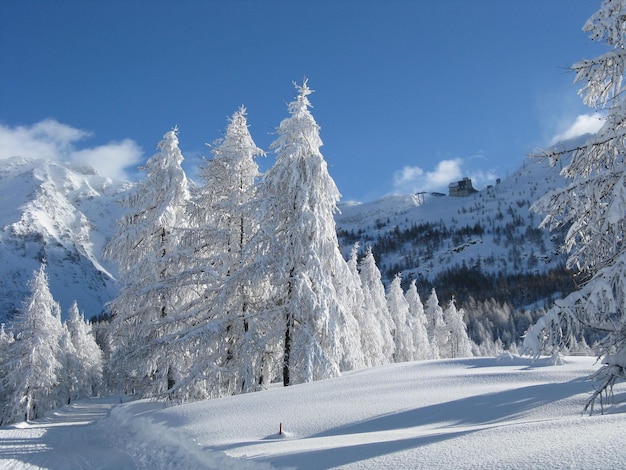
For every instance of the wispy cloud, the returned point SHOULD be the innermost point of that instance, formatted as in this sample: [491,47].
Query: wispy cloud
[413,179]
[583,124]
[52,140]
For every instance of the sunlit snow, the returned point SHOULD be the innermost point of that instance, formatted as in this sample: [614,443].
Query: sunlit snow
[505,412]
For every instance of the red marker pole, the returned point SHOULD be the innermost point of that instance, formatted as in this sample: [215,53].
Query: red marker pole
[280,429]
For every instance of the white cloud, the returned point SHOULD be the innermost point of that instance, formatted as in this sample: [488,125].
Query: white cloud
[52,140]
[413,179]
[584,124]
[111,159]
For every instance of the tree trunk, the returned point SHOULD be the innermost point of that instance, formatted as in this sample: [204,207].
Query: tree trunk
[288,328]
[287,352]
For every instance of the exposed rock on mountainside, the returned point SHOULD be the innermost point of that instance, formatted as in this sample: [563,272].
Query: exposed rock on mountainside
[62,214]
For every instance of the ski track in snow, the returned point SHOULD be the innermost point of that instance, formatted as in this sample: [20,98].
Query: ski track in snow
[464,414]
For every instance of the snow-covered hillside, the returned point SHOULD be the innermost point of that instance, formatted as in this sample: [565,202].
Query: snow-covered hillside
[489,413]
[63,214]
[491,231]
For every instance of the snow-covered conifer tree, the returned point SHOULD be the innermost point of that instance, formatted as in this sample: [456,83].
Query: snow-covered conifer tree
[350,324]
[417,319]
[65,389]
[459,344]
[32,366]
[379,325]
[309,277]
[87,370]
[145,248]
[436,327]
[224,338]
[593,205]
[371,337]
[6,340]
[403,330]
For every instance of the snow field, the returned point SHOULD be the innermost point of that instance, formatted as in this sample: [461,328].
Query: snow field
[488,413]
[466,413]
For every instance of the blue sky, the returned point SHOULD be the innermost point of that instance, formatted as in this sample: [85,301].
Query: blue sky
[409,94]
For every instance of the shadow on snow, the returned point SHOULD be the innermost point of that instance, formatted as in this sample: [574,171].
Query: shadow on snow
[491,409]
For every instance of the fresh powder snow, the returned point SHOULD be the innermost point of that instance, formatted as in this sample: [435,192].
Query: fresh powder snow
[505,412]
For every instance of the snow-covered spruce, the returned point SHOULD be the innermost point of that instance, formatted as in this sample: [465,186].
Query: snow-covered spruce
[436,327]
[221,333]
[403,329]
[459,344]
[417,320]
[311,286]
[593,205]
[378,325]
[145,248]
[85,374]
[45,363]
[32,365]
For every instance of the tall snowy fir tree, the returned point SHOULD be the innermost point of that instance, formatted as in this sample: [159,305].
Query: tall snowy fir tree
[145,249]
[68,359]
[6,341]
[436,327]
[86,375]
[379,324]
[418,322]
[371,337]
[593,206]
[225,346]
[459,344]
[403,330]
[310,280]
[32,368]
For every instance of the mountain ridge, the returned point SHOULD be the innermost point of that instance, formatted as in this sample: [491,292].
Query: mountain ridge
[61,214]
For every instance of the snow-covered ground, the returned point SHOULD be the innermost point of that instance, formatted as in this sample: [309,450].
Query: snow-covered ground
[507,412]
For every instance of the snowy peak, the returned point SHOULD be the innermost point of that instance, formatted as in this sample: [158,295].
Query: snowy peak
[61,214]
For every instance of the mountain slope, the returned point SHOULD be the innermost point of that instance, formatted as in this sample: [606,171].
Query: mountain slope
[489,235]
[61,214]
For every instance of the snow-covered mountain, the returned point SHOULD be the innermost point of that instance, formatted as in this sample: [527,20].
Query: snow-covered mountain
[65,213]
[61,213]
[489,236]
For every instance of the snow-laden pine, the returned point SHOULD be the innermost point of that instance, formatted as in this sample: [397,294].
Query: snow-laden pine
[593,206]
[369,325]
[436,326]
[458,344]
[378,325]
[417,320]
[6,340]
[45,363]
[220,333]
[402,329]
[311,286]
[87,363]
[145,249]
[33,363]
